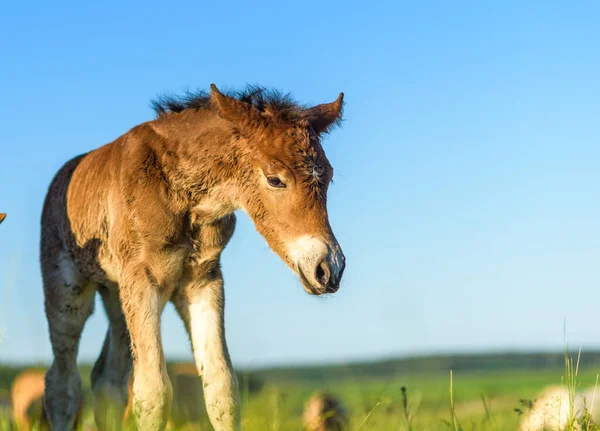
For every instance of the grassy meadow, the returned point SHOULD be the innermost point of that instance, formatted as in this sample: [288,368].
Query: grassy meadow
[489,392]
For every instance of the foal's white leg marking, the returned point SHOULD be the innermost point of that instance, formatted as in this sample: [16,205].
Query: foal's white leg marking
[207,334]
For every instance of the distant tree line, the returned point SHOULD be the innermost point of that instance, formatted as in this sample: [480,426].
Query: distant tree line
[385,369]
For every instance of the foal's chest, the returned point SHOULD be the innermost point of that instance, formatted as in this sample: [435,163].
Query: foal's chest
[197,254]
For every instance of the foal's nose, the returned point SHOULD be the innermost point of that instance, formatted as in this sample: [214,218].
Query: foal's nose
[318,262]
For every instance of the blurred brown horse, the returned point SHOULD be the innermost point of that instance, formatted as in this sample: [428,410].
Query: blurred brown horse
[27,391]
[325,412]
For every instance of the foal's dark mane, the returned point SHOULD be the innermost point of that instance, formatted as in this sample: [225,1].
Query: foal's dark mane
[273,102]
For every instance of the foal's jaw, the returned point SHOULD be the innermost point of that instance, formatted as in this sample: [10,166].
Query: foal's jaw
[319,264]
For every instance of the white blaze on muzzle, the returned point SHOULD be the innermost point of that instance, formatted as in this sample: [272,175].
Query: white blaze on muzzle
[307,252]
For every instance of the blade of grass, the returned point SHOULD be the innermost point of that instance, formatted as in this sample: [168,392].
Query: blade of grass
[455,422]
[368,415]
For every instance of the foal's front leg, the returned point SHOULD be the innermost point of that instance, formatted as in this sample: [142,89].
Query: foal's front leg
[201,303]
[143,303]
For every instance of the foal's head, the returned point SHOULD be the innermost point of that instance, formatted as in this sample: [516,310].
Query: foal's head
[284,180]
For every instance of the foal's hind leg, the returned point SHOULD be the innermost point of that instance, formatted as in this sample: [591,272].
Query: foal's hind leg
[69,300]
[112,370]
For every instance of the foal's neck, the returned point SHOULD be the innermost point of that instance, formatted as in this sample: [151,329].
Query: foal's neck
[201,157]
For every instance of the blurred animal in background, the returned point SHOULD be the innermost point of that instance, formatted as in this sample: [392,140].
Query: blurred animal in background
[2,217]
[26,394]
[551,410]
[324,412]
[127,415]
[188,397]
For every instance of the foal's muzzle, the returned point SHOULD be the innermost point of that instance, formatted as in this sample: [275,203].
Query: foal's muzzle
[320,265]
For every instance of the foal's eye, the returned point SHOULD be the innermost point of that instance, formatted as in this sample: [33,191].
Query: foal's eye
[275,182]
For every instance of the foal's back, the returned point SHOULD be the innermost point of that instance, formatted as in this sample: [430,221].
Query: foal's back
[83,200]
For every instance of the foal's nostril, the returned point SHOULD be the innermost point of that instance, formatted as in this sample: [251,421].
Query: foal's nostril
[322,273]
[342,269]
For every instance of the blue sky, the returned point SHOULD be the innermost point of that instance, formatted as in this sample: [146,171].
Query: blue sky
[467,170]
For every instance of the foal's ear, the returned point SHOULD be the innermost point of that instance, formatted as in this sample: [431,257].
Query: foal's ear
[323,117]
[241,114]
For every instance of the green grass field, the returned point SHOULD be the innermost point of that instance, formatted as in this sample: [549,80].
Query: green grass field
[487,392]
